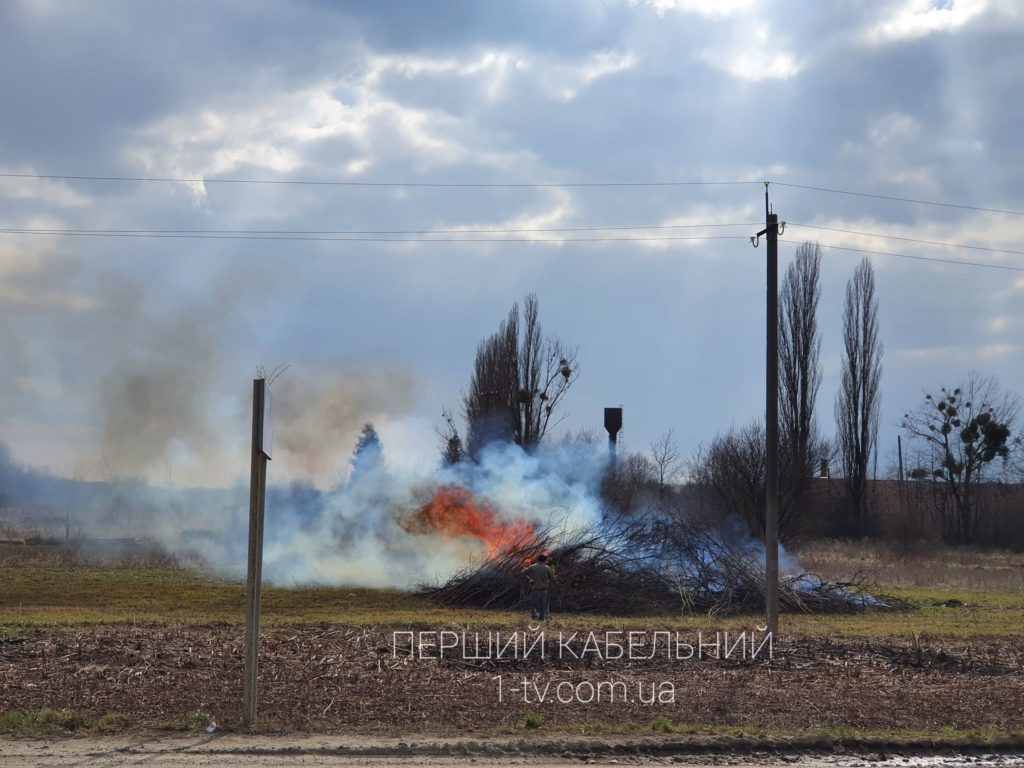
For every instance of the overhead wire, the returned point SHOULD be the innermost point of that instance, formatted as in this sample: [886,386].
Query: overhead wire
[984,265]
[473,235]
[78,231]
[985,248]
[466,241]
[896,198]
[355,239]
[499,185]
[355,183]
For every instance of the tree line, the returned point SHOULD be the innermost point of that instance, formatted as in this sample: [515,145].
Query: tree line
[732,468]
[962,449]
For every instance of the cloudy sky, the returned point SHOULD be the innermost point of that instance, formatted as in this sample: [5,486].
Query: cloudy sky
[130,355]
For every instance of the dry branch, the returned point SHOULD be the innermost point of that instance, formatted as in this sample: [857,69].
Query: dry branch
[638,567]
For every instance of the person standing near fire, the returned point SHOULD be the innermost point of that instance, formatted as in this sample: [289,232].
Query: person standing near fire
[539,577]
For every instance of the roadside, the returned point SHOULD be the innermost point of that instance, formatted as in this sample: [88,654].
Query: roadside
[271,752]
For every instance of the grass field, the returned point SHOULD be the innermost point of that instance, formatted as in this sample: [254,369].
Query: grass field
[107,647]
[952,594]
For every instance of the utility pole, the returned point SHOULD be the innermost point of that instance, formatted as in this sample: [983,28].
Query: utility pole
[771,415]
[261,436]
[902,477]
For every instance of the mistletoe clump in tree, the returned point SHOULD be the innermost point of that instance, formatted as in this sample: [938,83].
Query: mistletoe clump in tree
[966,432]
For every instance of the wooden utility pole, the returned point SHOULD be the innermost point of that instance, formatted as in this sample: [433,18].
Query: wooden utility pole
[771,415]
[902,477]
[254,574]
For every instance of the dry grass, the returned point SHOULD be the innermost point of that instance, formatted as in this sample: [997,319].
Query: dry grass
[930,568]
[42,587]
[82,642]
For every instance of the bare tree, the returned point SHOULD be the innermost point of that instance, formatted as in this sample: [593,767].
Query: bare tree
[732,471]
[667,459]
[858,402]
[519,380]
[547,369]
[965,432]
[452,450]
[489,406]
[800,369]
[583,436]
[628,481]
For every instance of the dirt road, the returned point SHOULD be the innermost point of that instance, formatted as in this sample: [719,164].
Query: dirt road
[271,752]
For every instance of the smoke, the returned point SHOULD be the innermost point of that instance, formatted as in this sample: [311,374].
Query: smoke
[159,387]
[355,533]
[161,402]
[157,391]
[319,411]
[108,378]
[358,533]
[367,530]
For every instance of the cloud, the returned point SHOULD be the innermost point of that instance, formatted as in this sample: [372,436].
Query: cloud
[41,191]
[758,66]
[716,9]
[521,92]
[965,355]
[566,82]
[355,119]
[913,19]
[757,57]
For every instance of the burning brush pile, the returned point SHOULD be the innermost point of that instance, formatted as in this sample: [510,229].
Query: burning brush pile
[623,566]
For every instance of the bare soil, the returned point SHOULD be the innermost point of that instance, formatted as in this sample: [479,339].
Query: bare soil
[334,678]
[267,752]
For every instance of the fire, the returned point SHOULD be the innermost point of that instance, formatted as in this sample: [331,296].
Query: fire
[454,512]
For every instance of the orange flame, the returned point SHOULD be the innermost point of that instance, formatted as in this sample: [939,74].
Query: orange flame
[454,512]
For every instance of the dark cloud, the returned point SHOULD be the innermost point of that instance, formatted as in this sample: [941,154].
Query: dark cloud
[142,349]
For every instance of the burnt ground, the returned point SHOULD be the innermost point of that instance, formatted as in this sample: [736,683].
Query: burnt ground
[342,678]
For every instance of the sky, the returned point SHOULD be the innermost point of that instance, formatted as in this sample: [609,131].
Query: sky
[133,356]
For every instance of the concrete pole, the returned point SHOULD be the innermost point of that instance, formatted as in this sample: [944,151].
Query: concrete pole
[771,515]
[254,574]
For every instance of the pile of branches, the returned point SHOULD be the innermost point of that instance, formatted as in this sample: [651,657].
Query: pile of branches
[639,567]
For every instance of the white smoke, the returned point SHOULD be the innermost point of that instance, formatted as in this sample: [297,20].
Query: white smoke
[355,534]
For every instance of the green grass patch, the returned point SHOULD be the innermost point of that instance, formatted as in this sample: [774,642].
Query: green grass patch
[193,722]
[62,722]
[661,724]
[533,720]
[113,722]
[40,722]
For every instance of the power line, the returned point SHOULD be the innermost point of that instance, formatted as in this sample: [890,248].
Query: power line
[497,185]
[76,231]
[898,199]
[984,265]
[451,240]
[908,239]
[466,241]
[336,183]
